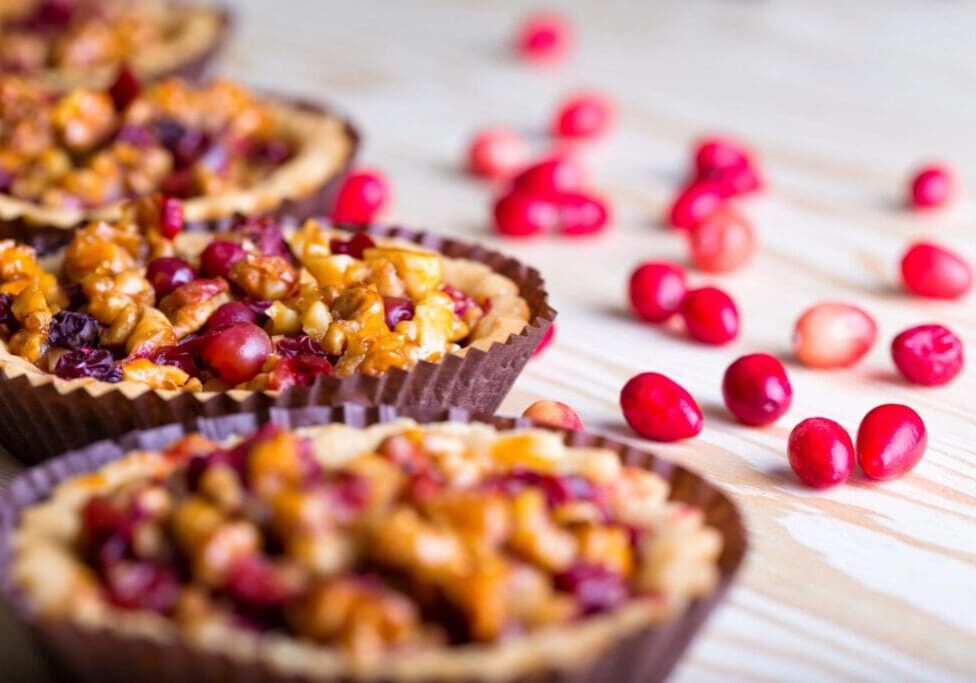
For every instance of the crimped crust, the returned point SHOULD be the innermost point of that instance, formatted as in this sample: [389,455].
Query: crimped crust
[59,588]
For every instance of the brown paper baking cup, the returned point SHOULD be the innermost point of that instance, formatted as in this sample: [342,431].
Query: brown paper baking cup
[41,416]
[100,656]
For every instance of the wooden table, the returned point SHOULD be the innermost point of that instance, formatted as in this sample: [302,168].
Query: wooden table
[864,582]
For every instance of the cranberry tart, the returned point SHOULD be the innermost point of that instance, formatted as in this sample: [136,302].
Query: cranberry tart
[83,42]
[447,551]
[71,156]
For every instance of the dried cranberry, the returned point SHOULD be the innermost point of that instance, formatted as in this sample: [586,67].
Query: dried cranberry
[217,259]
[142,585]
[929,355]
[355,246]
[596,587]
[236,353]
[301,368]
[95,363]
[462,302]
[73,330]
[398,308]
[125,89]
[265,233]
[167,273]
[170,216]
[256,582]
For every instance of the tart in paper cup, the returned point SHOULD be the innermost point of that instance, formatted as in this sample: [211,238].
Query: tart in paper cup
[42,414]
[635,642]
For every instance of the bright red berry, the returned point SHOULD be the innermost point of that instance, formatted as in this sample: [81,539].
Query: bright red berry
[170,217]
[551,176]
[125,89]
[696,202]
[361,197]
[931,186]
[520,214]
[657,290]
[658,408]
[935,272]
[581,214]
[237,352]
[497,153]
[756,389]
[219,256]
[722,242]
[930,355]
[890,441]
[585,115]
[230,313]
[821,452]
[710,316]
[544,37]
[166,273]
[718,155]
[833,335]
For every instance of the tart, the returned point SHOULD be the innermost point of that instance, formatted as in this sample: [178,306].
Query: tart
[296,313]
[67,157]
[396,552]
[84,42]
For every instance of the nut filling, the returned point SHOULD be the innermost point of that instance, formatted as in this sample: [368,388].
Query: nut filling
[258,308]
[337,547]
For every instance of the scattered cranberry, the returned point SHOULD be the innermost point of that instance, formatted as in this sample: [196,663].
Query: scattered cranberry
[497,153]
[833,335]
[719,155]
[125,89]
[237,353]
[597,588]
[552,176]
[362,195]
[170,217]
[581,214]
[231,313]
[289,347]
[696,202]
[722,242]
[94,363]
[930,355]
[555,414]
[756,389]
[299,369]
[546,340]
[658,408]
[657,290]
[821,452]
[931,186]
[710,316]
[585,115]
[219,256]
[935,272]
[355,246]
[166,273]
[397,309]
[544,37]
[519,214]
[890,441]
[73,330]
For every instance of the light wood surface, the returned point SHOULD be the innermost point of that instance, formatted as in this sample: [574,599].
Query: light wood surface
[864,582]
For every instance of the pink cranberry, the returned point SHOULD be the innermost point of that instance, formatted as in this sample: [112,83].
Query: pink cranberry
[722,242]
[237,353]
[125,89]
[219,256]
[710,316]
[552,176]
[935,272]
[890,441]
[931,186]
[355,246]
[833,335]
[719,155]
[660,409]
[657,290]
[362,195]
[756,389]
[544,37]
[520,214]
[821,452]
[497,153]
[696,202]
[930,355]
[166,273]
[231,313]
[581,214]
[585,115]
[170,217]
[546,340]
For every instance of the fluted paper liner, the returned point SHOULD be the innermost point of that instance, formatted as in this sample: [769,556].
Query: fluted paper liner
[100,656]
[41,415]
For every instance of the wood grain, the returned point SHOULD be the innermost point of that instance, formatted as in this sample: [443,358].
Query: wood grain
[861,583]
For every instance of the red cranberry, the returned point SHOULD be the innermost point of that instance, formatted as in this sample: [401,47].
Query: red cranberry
[935,272]
[362,195]
[821,452]
[125,89]
[462,301]
[930,355]
[101,518]
[552,176]
[166,273]
[756,389]
[735,181]
[264,232]
[300,368]
[696,202]
[596,588]
[142,585]
[581,214]
[289,347]
[397,309]
[231,313]
[497,153]
[355,246]
[722,242]
[931,186]
[585,115]
[519,214]
[544,37]
[546,340]
[719,155]
[94,363]
[256,582]
[170,217]
[237,353]
[890,441]
[53,14]
[710,316]
[219,256]
[833,335]
[73,330]
[657,290]
[658,408]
